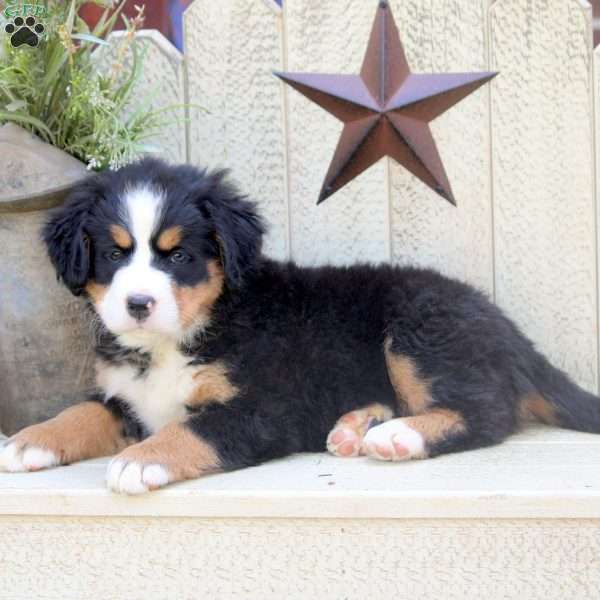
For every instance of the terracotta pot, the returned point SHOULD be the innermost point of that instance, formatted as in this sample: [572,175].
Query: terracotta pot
[45,343]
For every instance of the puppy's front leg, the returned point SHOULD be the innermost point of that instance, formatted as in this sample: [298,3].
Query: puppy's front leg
[86,430]
[217,438]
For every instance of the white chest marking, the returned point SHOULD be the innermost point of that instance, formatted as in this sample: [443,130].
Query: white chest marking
[159,395]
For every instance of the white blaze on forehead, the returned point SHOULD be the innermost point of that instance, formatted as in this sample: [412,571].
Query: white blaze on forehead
[142,207]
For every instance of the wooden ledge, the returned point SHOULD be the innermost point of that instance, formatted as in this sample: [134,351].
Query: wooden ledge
[541,473]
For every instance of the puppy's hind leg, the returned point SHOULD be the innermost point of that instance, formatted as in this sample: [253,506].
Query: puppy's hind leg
[345,439]
[423,436]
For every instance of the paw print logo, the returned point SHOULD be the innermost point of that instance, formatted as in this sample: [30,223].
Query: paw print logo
[24,31]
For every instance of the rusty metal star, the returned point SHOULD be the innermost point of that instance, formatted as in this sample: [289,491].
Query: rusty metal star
[386,110]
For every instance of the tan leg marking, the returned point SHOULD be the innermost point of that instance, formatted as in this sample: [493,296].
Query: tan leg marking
[345,439]
[195,303]
[121,236]
[405,438]
[437,424]
[536,407]
[87,430]
[169,238]
[411,389]
[172,454]
[213,385]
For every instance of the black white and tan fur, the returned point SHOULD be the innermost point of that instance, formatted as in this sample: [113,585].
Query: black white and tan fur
[211,357]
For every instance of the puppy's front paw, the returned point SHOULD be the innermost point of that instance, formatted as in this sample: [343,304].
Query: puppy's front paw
[172,454]
[126,475]
[19,456]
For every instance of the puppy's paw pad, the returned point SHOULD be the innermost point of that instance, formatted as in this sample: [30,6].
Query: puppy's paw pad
[395,441]
[343,441]
[345,438]
[132,477]
[17,459]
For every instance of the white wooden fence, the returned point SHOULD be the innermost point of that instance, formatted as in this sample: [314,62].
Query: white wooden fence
[522,153]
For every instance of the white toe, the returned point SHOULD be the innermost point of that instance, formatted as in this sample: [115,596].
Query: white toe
[10,459]
[113,473]
[155,476]
[130,481]
[135,478]
[394,440]
[35,458]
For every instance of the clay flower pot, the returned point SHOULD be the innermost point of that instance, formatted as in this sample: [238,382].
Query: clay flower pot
[45,342]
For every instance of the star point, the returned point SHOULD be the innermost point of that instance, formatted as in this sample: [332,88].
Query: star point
[386,110]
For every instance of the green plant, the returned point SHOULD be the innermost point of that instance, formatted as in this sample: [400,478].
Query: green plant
[63,93]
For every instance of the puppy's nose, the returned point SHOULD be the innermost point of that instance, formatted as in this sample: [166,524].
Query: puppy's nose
[139,306]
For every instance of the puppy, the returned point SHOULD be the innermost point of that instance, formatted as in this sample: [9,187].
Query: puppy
[211,357]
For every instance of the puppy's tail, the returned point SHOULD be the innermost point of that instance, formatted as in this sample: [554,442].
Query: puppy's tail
[560,401]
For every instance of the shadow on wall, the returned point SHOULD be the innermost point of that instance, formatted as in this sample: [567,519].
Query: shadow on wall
[596,13]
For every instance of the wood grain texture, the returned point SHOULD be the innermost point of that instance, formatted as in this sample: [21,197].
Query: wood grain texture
[53,558]
[232,47]
[160,85]
[352,225]
[543,177]
[440,37]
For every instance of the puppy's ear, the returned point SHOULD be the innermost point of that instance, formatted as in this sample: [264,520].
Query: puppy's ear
[237,226]
[66,241]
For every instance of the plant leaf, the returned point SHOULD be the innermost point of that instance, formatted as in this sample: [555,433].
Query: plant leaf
[15,105]
[88,37]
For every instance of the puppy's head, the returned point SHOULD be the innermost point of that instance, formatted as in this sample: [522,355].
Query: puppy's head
[153,245]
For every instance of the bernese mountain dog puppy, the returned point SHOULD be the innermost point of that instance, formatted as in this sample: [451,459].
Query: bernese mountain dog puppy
[211,357]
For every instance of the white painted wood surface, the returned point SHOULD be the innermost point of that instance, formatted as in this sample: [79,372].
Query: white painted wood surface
[231,49]
[440,38]
[533,475]
[330,37]
[519,152]
[543,177]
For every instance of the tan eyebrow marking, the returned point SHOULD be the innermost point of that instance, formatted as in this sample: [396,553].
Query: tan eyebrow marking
[169,238]
[121,236]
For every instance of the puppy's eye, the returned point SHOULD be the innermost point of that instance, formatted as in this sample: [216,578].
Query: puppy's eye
[115,255]
[178,257]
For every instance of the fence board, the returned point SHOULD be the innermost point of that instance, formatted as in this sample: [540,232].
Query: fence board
[448,36]
[542,120]
[231,49]
[330,37]
[596,91]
